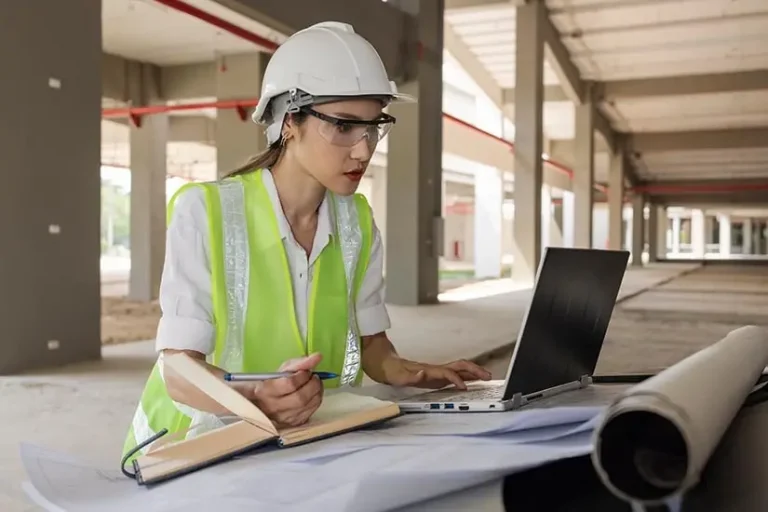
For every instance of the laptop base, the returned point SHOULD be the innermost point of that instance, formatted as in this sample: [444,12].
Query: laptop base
[453,400]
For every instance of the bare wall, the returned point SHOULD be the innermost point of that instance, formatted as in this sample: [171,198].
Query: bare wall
[50,90]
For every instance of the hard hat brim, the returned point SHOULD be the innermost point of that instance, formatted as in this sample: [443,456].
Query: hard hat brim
[394,97]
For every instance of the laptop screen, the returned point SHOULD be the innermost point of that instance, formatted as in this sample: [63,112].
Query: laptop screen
[568,316]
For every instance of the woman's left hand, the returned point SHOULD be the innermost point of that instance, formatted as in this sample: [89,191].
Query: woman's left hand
[401,372]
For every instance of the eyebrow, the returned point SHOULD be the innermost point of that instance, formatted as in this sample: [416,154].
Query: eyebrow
[353,117]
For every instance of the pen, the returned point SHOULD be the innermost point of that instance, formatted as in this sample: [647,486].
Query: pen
[234,377]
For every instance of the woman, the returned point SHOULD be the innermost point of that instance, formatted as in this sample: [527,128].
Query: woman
[279,266]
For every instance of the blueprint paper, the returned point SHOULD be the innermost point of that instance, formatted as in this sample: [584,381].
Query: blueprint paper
[355,469]
[655,440]
[360,480]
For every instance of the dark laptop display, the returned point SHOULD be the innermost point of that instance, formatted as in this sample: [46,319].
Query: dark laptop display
[571,307]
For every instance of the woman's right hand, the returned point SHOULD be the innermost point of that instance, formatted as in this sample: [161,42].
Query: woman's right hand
[290,401]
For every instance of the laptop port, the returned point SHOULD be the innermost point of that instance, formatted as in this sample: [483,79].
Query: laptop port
[448,406]
[434,406]
[463,407]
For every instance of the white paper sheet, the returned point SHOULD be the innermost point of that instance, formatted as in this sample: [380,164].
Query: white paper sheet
[360,480]
[343,472]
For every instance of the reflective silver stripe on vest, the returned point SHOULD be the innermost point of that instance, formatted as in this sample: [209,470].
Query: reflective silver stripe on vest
[236,259]
[350,239]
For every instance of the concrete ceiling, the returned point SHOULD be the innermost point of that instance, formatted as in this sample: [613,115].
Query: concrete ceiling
[670,69]
[148,31]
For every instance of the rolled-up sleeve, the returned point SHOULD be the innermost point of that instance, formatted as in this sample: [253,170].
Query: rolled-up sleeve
[372,314]
[185,289]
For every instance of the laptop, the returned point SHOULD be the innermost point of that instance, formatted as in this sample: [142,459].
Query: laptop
[559,343]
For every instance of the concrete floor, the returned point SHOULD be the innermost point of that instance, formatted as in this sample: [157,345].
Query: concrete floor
[85,409]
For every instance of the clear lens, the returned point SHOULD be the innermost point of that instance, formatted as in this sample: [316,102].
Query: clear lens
[348,134]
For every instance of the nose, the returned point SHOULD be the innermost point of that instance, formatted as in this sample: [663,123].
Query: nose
[363,150]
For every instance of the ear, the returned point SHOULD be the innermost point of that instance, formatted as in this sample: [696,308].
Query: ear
[290,129]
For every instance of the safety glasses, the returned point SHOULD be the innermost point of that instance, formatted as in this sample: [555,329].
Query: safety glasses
[348,132]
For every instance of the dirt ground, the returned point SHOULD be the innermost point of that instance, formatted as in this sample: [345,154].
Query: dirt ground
[124,320]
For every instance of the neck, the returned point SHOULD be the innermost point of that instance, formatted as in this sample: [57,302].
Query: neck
[300,194]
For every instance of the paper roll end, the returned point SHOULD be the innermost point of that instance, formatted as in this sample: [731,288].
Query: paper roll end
[641,456]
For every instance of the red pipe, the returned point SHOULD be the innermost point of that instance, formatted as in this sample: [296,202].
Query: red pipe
[221,23]
[693,188]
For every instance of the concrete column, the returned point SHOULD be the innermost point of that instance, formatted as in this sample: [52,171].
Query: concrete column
[662,227]
[747,237]
[489,197]
[638,230]
[237,138]
[149,142]
[653,233]
[724,226]
[556,225]
[698,232]
[546,217]
[568,227]
[529,97]
[414,173]
[676,227]
[50,97]
[616,201]
[584,171]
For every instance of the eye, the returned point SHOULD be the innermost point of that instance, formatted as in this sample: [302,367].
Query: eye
[343,128]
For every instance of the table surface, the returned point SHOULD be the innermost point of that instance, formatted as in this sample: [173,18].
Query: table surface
[734,480]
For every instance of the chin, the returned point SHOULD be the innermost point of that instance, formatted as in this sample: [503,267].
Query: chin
[344,186]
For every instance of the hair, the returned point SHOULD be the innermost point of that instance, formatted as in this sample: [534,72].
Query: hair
[270,156]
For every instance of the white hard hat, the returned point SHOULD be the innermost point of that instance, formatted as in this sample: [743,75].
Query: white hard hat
[325,60]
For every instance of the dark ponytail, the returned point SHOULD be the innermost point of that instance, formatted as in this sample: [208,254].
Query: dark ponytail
[263,160]
[269,157]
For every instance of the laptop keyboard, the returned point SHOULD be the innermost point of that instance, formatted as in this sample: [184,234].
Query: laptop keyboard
[465,396]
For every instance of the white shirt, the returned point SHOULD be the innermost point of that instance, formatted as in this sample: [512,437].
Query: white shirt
[185,289]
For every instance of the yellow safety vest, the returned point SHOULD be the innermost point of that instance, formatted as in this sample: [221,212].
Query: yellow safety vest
[252,293]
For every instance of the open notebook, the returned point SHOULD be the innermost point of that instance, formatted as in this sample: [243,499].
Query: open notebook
[339,413]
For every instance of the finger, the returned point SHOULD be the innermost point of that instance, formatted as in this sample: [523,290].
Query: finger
[302,363]
[445,373]
[294,411]
[288,385]
[465,367]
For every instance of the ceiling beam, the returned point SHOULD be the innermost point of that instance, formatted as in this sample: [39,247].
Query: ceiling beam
[455,5]
[560,60]
[699,140]
[551,93]
[685,85]
[472,65]
[390,30]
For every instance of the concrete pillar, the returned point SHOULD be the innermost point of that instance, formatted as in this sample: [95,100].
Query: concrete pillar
[237,138]
[546,217]
[414,173]
[724,225]
[662,226]
[149,142]
[616,201]
[529,97]
[556,225]
[638,229]
[568,227]
[653,233]
[50,97]
[746,236]
[584,171]
[676,228]
[698,232]
[489,197]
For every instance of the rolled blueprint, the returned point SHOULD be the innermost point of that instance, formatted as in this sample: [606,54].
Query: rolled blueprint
[655,439]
